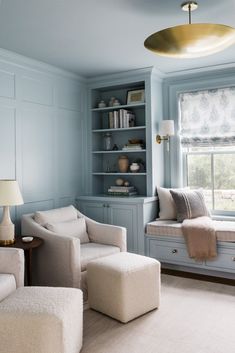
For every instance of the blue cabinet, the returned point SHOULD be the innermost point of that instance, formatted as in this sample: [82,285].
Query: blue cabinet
[172,253]
[131,213]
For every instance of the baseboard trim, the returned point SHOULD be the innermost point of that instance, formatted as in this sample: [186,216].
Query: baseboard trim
[198,276]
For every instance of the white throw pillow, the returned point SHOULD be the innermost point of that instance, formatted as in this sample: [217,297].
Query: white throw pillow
[75,228]
[167,209]
[56,215]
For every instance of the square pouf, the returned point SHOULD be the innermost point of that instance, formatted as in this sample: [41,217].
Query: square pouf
[124,285]
[42,320]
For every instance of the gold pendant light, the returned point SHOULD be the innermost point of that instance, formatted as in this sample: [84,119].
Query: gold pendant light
[191,40]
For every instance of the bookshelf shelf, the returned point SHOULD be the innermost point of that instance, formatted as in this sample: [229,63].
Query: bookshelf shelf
[120,129]
[117,107]
[118,174]
[119,151]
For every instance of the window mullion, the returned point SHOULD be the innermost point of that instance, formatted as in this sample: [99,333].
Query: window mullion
[212,181]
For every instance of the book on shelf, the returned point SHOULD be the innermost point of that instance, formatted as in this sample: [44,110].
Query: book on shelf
[119,193]
[133,146]
[121,118]
[122,188]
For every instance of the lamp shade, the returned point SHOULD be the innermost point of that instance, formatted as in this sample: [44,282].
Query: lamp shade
[10,194]
[167,128]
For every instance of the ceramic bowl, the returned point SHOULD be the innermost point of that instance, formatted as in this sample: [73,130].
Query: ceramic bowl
[27,239]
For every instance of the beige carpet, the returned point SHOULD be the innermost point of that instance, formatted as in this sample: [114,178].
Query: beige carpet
[194,317]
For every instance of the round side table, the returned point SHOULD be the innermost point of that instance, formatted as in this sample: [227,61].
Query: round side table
[28,252]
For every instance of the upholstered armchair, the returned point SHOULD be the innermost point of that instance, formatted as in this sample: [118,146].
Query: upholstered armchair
[71,240]
[11,271]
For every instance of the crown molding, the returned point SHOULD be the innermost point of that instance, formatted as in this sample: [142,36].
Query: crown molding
[22,61]
[204,70]
[124,76]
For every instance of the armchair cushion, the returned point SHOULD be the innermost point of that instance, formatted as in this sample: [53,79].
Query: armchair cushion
[62,214]
[75,228]
[12,262]
[7,285]
[92,251]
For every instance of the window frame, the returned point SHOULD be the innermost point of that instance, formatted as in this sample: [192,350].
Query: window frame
[185,176]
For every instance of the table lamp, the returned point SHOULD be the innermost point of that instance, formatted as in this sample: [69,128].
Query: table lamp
[10,195]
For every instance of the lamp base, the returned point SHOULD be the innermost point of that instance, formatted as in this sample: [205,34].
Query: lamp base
[7,234]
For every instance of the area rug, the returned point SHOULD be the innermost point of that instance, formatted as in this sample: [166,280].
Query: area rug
[194,317]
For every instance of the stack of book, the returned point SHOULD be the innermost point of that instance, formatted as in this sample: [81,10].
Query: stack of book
[121,119]
[133,147]
[122,191]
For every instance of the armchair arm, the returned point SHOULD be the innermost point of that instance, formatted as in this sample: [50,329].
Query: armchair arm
[12,261]
[57,261]
[106,234]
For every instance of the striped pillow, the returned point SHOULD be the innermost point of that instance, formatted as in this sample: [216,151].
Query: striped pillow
[189,204]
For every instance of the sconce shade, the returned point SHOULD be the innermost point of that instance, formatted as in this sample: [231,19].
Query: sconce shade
[167,128]
[10,194]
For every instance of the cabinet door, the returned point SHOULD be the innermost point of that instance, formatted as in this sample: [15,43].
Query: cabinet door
[94,210]
[125,216]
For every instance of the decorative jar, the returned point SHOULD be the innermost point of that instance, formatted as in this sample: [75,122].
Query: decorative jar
[123,164]
[102,104]
[107,142]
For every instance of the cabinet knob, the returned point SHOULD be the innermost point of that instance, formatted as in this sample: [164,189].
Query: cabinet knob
[174,251]
[107,205]
[104,205]
[233,258]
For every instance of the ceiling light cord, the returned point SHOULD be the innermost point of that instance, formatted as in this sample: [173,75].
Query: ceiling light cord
[189,14]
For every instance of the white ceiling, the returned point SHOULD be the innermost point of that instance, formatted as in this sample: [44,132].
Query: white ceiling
[94,37]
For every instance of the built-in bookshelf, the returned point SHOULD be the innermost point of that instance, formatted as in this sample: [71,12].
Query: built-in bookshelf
[130,125]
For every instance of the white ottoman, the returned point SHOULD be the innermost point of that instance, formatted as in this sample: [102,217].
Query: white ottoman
[42,320]
[124,285]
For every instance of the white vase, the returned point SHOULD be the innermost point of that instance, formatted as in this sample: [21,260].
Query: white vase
[134,167]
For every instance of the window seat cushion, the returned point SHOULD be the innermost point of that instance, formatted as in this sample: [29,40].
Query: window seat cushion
[225,231]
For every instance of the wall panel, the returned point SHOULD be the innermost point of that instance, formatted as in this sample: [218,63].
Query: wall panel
[41,133]
[7,142]
[7,84]
[36,91]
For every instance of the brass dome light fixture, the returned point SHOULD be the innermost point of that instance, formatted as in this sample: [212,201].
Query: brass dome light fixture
[191,40]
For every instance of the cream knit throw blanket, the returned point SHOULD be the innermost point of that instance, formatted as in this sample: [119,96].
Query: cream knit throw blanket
[200,237]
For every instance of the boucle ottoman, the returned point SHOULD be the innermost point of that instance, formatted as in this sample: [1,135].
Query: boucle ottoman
[42,320]
[124,285]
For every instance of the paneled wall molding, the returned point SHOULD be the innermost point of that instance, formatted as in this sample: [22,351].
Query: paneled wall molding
[172,87]
[42,113]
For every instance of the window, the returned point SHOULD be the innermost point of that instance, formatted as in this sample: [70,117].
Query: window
[207,133]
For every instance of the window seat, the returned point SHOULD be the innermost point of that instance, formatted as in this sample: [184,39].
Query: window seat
[165,242]
[225,231]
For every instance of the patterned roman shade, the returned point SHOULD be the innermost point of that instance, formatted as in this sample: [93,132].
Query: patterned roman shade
[207,118]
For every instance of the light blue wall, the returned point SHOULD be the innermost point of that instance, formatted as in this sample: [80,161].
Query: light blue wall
[42,113]
[183,82]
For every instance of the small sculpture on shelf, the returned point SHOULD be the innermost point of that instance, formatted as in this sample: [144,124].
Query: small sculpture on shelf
[115,147]
[111,101]
[134,167]
[101,104]
[119,182]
